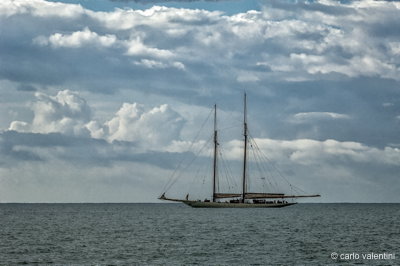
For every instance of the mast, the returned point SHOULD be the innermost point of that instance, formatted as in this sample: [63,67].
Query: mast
[215,152]
[245,148]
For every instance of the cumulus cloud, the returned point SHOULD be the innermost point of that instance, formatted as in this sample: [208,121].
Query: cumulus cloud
[157,127]
[292,42]
[136,47]
[68,113]
[76,39]
[19,126]
[312,152]
[40,8]
[316,38]
[301,151]
[324,32]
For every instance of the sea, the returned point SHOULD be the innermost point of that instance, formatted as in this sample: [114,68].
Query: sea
[175,234]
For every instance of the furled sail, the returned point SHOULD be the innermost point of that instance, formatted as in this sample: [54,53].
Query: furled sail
[301,196]
[275,196]
[226,195]
[263,195]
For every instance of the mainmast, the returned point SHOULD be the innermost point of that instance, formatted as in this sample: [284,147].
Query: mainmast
[215,152]
[245,148]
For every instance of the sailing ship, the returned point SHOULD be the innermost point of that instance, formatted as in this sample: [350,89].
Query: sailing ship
[245,199]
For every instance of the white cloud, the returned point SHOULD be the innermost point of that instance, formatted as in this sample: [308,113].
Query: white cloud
[333,38]
[159,64]
[40,8]
[314,152]
[65,113]
[187,146]
[68,113]
[313,116]
[394,47]
[96,130]
[374,4]
[387,104]
[19,126]
[76,39]
[136,47]
[322,35]
[247,77]
[154,128]
[156,16]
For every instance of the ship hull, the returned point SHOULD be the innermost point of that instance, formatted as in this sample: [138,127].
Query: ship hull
[202,204]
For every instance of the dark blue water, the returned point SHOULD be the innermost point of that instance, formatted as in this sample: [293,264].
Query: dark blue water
[174,234]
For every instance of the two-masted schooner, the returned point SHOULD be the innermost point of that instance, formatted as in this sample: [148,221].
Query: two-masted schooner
[245,199]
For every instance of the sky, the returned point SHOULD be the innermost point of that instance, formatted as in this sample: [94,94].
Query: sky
[99,100]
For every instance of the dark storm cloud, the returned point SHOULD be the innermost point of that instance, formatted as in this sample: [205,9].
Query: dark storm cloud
[26,87]
[25,146]
[79,151]
[8,152]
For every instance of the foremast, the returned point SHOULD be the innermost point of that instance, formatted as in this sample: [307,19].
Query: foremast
[244,150]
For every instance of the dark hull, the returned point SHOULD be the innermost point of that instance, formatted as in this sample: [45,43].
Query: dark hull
[202,204]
